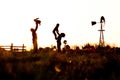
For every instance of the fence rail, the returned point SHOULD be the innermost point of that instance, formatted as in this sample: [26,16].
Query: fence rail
[13,48]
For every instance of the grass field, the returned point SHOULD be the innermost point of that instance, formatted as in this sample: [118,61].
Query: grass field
[47,64]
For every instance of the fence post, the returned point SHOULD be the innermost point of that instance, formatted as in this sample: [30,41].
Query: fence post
[11,47]
[23,48]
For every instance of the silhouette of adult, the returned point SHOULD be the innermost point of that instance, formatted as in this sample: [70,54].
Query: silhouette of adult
[56,31]
[58,36]
[34,35]
[59,41]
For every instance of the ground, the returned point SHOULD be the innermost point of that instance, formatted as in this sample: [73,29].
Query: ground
[47,64]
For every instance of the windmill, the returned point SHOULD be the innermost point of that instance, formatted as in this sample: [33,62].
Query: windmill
[102,23]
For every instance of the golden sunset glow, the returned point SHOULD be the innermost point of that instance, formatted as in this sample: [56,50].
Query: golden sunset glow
[74,17]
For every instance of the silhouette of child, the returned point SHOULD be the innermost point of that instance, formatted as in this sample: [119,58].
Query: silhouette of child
[56,31]
[34,35]
[59,41]
[37,21]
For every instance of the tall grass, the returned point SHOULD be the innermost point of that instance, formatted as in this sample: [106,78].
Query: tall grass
[47,64]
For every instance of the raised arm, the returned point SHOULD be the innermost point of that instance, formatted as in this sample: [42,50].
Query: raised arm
[36,27]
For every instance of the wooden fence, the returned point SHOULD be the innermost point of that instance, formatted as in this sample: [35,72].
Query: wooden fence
[14,48]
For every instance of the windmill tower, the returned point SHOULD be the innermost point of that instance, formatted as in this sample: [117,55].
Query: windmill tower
[102,23]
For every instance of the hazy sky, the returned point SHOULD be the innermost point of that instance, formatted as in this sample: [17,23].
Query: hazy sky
[74,17]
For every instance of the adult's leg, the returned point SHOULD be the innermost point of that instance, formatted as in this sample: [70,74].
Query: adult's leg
[59,47]
[35,45]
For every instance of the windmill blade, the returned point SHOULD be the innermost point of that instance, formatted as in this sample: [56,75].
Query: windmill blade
[102,19]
